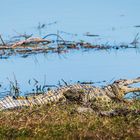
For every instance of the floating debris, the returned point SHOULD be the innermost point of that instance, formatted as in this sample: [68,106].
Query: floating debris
[90,35]
[137,26]
[35,45]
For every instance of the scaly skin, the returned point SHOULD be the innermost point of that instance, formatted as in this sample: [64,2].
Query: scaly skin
[83,93]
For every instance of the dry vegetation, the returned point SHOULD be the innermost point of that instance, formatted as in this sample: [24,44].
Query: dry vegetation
[61,121]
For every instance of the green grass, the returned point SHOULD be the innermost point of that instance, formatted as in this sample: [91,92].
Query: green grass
[62,122]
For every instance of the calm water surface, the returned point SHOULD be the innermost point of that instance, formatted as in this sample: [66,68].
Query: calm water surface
[113,21]
[74,66]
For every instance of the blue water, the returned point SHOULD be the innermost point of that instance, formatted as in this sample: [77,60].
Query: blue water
[72,67]
[113,21]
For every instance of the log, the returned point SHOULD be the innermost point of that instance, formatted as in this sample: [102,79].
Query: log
[30,41]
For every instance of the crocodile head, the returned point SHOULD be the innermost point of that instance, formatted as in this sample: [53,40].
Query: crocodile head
[122,87]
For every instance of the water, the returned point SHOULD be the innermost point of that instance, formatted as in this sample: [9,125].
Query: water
[84,66]
[113,21]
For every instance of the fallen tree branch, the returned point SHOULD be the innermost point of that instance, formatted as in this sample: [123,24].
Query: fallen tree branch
[30,41]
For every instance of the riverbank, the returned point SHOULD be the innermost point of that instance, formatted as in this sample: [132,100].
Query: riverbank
[61,121]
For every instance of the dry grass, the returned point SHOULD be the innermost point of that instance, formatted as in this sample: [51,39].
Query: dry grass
[62,122]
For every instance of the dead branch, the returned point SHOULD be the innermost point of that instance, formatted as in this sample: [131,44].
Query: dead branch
[30,41]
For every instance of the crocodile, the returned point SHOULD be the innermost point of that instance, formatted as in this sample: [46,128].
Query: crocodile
[81,93]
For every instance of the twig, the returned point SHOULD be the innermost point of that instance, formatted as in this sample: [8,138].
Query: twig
[4,44]
[55,35]
[26,36]
[64,82]
[135,41]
